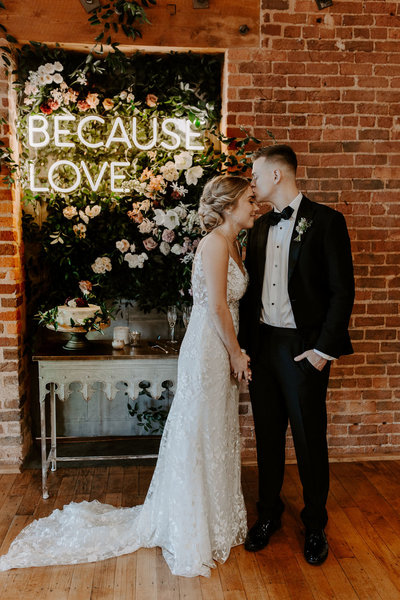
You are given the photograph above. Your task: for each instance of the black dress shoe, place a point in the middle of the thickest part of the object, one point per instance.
(315, 547)
(258, 536)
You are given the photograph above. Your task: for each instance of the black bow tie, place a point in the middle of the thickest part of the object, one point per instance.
(275, 217)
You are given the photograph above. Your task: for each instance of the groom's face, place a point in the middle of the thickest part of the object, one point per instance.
(264, 179)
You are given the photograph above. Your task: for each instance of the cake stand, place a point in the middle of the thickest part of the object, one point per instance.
(77, 339)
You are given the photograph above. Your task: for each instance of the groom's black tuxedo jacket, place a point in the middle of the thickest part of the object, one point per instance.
(320, 281)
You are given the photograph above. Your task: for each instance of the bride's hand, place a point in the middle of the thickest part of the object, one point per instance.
(240, 366)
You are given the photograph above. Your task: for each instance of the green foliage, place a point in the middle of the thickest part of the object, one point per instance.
(119, 15)
(151, 419)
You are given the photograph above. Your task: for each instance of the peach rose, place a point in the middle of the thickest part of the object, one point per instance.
(151, 100)
(108, 103)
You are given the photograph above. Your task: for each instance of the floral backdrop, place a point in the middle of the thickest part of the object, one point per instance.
(137, 244)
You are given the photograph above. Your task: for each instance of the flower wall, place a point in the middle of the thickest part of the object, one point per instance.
(116, 154)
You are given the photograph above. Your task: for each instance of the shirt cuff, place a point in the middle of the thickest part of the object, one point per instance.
(326, 356)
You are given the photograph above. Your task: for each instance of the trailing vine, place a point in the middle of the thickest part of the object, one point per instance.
(120, 14)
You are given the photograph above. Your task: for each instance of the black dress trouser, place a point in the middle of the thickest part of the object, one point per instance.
(283, 390)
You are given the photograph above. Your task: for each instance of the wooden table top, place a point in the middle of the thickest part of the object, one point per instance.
(103, 350)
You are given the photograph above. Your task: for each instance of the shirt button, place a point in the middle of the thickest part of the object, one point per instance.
(273, 303)
(277, 246)
(274, 284)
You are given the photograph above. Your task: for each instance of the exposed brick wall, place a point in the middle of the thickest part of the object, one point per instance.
(14, 416)
(328, 83)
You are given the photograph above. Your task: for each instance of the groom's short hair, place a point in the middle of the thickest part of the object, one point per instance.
(280, 152)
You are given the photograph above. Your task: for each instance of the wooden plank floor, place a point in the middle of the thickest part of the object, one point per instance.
(363, 532)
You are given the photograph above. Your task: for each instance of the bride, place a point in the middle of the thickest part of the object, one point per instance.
(194, 508)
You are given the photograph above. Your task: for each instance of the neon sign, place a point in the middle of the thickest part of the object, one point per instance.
(68, 131)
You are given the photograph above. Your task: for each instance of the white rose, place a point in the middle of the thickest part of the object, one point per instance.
(102, 264)
(130, 98)
(48, 68)
(133, 247)
(58, 66)
(122, 245)
(169, 171)
(71, 303)
(123, 95)
(171, 219)
(165, 248)
(47, 78)
(69, 212)
(93, 211)
(193, 174)
(57, 78)
(132, 260)
(183, 160)
(176, 249)
(84, 218)
(142, 257)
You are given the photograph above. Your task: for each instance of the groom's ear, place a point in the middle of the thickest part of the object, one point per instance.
(277, 175)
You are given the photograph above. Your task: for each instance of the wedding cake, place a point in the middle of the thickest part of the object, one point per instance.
(76, 310)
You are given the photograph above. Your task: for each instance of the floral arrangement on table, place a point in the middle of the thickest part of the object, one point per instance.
(137, 243)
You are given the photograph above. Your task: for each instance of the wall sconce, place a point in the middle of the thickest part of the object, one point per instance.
(323, 3)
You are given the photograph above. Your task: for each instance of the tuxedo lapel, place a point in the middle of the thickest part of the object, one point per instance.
(262, 238)
(306, 210)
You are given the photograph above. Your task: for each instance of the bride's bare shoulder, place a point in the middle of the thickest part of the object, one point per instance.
(214, 243)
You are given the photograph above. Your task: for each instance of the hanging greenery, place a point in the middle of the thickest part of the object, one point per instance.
(120, 14)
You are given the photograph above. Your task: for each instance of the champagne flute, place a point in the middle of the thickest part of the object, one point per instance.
(172, 315)
(187, 309)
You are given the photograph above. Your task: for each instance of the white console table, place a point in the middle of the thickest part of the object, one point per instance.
(99, 362)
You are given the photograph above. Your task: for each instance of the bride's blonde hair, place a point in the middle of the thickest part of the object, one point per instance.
(219, 194)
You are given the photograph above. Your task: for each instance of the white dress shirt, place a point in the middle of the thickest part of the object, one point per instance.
(276, 307)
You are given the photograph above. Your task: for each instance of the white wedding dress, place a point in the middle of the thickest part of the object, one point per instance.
(194, 509)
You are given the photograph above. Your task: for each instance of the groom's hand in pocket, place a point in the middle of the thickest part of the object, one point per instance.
(315, 359)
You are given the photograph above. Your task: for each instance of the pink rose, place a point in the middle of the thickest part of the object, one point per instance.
(85, 286)
(83, 105)
(151, 100)
(168, 236)
(45, 108)
(53, 104)
(92, 100)
(149, 244)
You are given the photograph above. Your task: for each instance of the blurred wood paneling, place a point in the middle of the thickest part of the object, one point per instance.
(174, 24)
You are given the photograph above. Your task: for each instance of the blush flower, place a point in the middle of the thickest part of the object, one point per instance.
(108, 103)
(85, 286)
(149, 243)
(92, 100)
(151, 100)
(168, 236)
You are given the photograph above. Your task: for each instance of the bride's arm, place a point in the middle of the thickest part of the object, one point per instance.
(215, 257)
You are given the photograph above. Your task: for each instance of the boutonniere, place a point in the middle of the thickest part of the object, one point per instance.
(301, 228)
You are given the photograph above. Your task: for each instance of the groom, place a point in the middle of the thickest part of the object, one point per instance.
(293, 323)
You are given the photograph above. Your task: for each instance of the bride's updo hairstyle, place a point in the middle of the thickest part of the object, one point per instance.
(220, 194)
